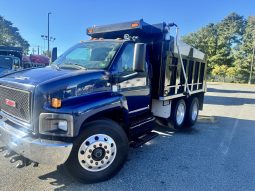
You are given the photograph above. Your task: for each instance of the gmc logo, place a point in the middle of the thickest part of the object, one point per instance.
(10, 103)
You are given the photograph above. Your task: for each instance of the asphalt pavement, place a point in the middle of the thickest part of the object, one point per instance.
(218, 153)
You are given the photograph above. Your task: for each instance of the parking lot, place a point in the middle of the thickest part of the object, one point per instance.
(218, 153)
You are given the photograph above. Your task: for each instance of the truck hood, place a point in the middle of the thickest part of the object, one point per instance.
(4, 71)
(42, 75)
(71, 86)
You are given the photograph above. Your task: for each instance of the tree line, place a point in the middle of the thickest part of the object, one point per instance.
(228, 45)
(10, 36)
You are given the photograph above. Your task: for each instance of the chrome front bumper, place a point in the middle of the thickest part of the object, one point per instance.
(37, 150)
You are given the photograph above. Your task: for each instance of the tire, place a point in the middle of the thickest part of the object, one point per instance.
(192, 112)
(178, 114)
(99, 152)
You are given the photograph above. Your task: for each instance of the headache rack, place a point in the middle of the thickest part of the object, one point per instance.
(133, 28)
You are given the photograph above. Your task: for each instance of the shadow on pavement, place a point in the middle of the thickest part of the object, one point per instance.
(161, 129)
(59, 178)
(229, 91)
(230, 101)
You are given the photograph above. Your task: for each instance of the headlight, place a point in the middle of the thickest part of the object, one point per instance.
(63, 125)
(56, 124)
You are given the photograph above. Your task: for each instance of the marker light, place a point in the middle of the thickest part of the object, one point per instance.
(90, 31)
(134, 25)
(55, 103)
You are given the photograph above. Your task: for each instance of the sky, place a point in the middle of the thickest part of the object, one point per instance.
(70, 19)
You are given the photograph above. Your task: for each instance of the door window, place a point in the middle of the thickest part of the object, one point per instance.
(125, 62)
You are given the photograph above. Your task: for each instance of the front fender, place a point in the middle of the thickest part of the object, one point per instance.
(86, 106)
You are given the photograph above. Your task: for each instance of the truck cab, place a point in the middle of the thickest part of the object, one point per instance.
(100, 97)
(115, 57)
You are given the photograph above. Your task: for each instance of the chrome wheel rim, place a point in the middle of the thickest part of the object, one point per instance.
(194, 111)
(180, 113)
(97, 152)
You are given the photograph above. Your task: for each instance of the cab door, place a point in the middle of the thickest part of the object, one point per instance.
(133, 85)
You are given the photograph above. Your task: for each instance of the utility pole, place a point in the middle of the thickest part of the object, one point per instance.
(49, 33)
(38, 49)
(46, 38)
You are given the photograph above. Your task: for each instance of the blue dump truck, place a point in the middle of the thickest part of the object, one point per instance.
(100, 97)
(10, 59)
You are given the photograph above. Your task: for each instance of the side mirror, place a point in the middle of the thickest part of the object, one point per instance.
(54, 54)
(139, 57)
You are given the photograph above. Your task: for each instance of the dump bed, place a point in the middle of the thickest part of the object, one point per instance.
(168, 79)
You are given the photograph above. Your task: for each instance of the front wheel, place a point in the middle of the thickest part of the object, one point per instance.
(99, 152)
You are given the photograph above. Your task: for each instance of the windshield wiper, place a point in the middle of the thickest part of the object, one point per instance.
(71, 65)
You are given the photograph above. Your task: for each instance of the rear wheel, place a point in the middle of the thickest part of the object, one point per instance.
(176, 120)
(192, 112)
(99, 152)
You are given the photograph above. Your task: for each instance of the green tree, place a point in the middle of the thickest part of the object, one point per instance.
(243, 56)
(232, 72)
(204, 40)
(229, 38)
(220, 70)
(220, 41)
(10, 36)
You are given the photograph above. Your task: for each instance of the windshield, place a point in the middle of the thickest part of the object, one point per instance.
(6, 62)
(89, 55)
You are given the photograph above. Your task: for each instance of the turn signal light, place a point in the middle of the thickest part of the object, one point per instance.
(133, 25)
(56, 103)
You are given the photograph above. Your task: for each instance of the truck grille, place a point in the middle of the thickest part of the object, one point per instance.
(15, 102)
